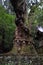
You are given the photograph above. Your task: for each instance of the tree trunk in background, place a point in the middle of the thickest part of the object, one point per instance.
(22, 41)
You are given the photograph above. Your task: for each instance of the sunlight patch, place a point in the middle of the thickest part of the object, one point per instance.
(40, 29)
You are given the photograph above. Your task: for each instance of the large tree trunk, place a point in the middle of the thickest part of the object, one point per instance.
(20, 10)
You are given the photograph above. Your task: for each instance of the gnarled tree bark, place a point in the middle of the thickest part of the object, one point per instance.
(20, 10)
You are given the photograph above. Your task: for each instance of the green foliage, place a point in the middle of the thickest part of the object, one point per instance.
(7, 23)
(37, 19)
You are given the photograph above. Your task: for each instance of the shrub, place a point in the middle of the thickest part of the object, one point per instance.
(8, 26)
